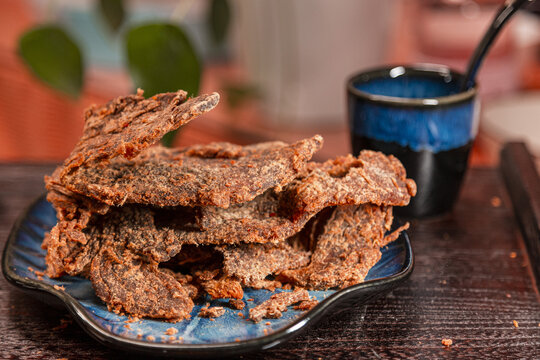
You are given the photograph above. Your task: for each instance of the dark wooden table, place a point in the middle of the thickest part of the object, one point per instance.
(471, 281)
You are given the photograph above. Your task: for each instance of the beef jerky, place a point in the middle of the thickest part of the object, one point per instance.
(306, 305)
(77, 261)
(160, 234)
(124, 126)
(271, 285)
(61, 243)
(69, 250)
(206, 274)
(149, 235)
(194, 254)
(347, 248)
(128, 124)
(372, 177)
(212, 312)
(186, 281)
(71, 244)
(266, 219)
(272, 217)
(277, 304)
(252, 263)
(236, 304)
(223, 288)
(128, 284)
(216, 174)
(69, 205)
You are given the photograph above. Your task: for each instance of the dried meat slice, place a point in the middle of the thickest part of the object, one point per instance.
(372, 177)
(272, 217)
(69, 250)
(71, 245)
(129, 124)
(211, 312)
(186, 281)
(236, 304)
(62, 242)
(307, 305)
(266, 219)
(216, 174)
(155, 237)
(128, 284)
(347, 248)
(223, 288)
(159, 234)
(252, 263)
(69, 205)
(277, 304)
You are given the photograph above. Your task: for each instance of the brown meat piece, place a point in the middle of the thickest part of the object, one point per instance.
(125, 283)
(69, 250)
(124, 126)
(347, 248)
(216, 174)
(223, 288)
(186, 281)
(212, 312)
(272, 217)
(136, 227)
(195, 255)
(372, 177)
(306, 305)
(271, 285)
(61, 243)
(266, 219)
(160, 234)
(72, 244)
(236, 304)
(69, 205)
(128, 124)
(124, 280)
(143, 231)
(252, 263)
(273, 307)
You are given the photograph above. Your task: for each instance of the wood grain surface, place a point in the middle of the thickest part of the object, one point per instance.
(471, 281)
(523, 185)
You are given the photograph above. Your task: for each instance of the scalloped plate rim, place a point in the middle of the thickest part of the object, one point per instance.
(199, 350)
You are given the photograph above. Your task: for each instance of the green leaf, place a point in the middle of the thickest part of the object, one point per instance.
(113, 12)
(168, 139)
(161, 59)
(237, 94)
(54, 58)
(219, 17)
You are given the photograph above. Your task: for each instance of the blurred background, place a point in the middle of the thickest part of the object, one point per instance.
(280, 65)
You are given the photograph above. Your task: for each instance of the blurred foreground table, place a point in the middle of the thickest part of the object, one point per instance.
(472, 283)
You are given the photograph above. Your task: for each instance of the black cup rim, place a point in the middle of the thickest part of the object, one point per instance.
(416, 69)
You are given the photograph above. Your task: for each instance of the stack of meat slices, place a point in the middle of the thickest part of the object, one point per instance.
(155, 229)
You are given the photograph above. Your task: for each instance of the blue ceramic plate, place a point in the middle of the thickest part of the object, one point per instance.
(228, 335)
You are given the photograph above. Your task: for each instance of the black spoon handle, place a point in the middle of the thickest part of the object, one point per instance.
(505, 12)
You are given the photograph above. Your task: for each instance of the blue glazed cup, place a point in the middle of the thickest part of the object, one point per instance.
(418, 114)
